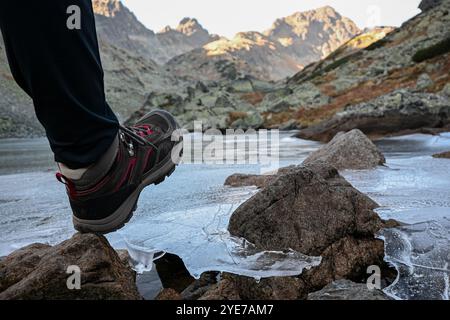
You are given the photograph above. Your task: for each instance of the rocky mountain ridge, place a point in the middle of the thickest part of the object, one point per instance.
(241, 101)
(117, 25)
(289, 45)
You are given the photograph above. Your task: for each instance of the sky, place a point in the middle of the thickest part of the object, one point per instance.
(227, 17)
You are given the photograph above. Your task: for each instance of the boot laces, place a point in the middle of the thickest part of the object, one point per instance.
(131, 135)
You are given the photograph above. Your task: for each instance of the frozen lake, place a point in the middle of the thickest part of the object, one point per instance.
(190, 216)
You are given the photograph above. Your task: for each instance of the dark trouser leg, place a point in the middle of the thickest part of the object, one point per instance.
(60, 69)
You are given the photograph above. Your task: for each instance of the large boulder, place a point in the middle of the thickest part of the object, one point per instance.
(401, 111)
(40, 271)
(307, 209)
(315, 211)
(347, 290)
(351, 150)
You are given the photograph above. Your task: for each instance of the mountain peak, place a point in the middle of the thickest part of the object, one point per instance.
(328, 9)
(189, 26)
(323, 13)
(426, 5)
(107, 8)
(188, 20)
(301, 23)
(166, 29)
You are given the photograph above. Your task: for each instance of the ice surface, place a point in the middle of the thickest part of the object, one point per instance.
(421, 254)
(188, 214)
(200, 237)
(33, 208)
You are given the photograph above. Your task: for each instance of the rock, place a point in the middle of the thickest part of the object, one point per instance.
(313, 210)
(223, 101)
(199, 287)
(426, 5)
(168, 294)
(347, 258)
(289, 125)
(444, 155)
(167, 101)
(287, 100)
(200, 86)
(239, 180)
(347, 290)
(247, 180)
(234, 287)
(224, 290)
(446, 90)
(391, 223)
(173, 273)
(307, 209)
(243, 85)
(252, 120)
(351, 150)
(38, 271)
(190, 93)
(396, 112)
(281, 106)
(124, 256)
(424, 81)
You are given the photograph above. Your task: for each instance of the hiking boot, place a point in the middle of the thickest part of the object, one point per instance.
(145, 154)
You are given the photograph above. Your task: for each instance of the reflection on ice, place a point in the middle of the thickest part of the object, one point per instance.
(200, 238)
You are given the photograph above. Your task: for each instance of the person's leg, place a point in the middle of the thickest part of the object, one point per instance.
(61, 71)
(104, 166)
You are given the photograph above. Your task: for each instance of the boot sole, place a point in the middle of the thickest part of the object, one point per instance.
(123, 215)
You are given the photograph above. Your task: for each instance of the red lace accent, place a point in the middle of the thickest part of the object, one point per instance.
(69, 184)
(145, 130)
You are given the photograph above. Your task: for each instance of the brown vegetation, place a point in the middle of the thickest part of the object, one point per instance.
(273, 120)
(253, 98)
(363, 92)
(236, 115)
